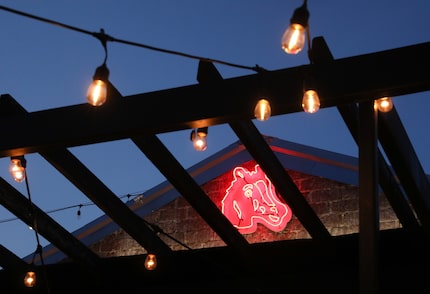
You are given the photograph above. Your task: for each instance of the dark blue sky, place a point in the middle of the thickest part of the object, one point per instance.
(45, 66)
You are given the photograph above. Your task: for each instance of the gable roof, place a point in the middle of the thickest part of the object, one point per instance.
(293, 156)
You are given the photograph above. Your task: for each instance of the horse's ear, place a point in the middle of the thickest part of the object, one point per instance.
(239, 172)
(257, 168)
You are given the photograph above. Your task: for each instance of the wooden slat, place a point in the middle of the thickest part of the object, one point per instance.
(390, 185)
(79, 175)
(361, 78)
(20, 206)
(387, 180)
(10, 261)
(167, 164)
(400, 152)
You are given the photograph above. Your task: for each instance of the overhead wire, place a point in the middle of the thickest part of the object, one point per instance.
(105, 38)
(80, 205)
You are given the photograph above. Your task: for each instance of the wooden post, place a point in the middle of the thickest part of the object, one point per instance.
(368, 200)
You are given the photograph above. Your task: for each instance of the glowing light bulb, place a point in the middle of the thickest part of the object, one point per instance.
(30, 279)
(17, 169)
(311, 101)
(200, 143)
(384, 104)
(198, 137)
(97, 91)
(150, 262)
(262, 110)
(293, 39)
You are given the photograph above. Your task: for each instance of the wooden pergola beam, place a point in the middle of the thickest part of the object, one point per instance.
(349, 80)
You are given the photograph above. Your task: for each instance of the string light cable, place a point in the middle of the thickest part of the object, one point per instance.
(104, 38)
(38, 250)
(136, 196)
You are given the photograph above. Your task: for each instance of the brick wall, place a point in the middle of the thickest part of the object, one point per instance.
(335, 203)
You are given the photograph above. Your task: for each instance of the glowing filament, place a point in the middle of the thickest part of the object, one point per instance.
(384, 104)
(311, 101)
(150, 262)
(30, 279)
(262, 110)
(17, 170)
(294, 38)
(97, 93)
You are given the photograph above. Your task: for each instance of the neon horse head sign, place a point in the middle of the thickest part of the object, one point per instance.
(251, 199)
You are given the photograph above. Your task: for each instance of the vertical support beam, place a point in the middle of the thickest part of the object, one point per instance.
(368, 200)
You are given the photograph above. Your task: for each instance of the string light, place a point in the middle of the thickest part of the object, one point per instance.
(109, 38)
(262, 110)
(384, 104)
(30, 279)
(293, 41)
(17, 168)
(207, 74)
(18, 171)
(70, 207)
(294, 37)
(150, 261)
(79, 211)
(97, 91)
(310, 100)
(198, 137)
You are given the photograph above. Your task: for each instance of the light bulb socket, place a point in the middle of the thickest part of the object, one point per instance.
(101, 73)
(22, 160)
(301, 15)
(309, 83)
(198, 137)
(201, 132)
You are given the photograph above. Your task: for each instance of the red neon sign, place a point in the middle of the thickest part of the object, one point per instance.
(251, 199)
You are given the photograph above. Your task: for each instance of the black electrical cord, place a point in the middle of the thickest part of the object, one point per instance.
(104, 38)
(38, 250)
